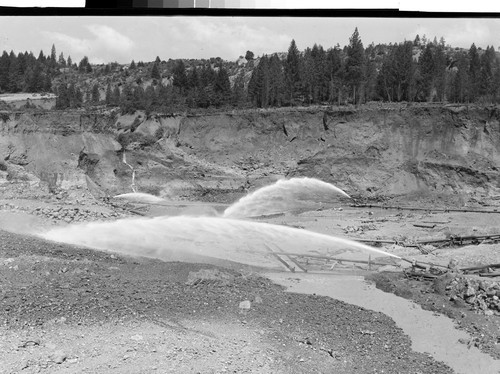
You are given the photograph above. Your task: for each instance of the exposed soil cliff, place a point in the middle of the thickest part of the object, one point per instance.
(450, 150)
(372, 151)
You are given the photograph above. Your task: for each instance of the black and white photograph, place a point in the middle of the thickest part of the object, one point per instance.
(209, 191)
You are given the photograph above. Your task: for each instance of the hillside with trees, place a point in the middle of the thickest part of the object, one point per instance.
(409, 71)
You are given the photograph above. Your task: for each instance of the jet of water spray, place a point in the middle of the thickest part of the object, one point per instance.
(139, 197)
(282, 196)
(181, 237)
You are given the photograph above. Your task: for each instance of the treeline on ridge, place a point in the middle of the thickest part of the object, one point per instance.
(414, 71)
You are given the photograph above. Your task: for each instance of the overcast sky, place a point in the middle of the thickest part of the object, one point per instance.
(121, 39)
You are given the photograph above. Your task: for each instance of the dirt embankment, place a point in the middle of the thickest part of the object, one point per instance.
(369, 151)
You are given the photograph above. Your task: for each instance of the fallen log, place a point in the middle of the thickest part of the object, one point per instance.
(490, 275)
(437, 222)
(444, 210)
(423, 225)
(461, 239)
(492, 266)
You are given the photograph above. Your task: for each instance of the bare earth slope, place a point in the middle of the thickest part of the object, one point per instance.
(369, 151)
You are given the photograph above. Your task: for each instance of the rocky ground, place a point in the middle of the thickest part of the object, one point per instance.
(75, 310)
(67, 309)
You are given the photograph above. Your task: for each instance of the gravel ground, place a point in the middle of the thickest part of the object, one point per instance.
(74, 310)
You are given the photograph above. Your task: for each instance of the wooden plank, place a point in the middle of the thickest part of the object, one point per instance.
(279, 258)
(331, 258)
(297, 264)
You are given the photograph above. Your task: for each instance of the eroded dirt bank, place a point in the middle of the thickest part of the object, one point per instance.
(372, 151)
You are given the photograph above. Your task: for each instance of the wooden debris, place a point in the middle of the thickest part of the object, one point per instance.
(477, 269)
(421, 275)
(445, 210)
(423, 225)
(369, 262)
(490, 275)
(453, 240)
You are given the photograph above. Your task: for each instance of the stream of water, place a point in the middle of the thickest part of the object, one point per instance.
(429, 332)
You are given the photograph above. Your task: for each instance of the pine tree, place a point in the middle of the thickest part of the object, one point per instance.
(115, 101)
(61, 60)
(460, 83)
(405, 71)
(238, 90)
(132, 65)
(222, 86)
(487, 61)
(96, 97)
(355, 66)
(82, 66)
(333, 69)
(193, 87)
(78, 98)
(308, 75)
(192, 78)
(292, 72)
(321, 74)
(427, 69)
(496, 81)
(474, 73)
(72, 95)
(440, 71)
(22, 58)
(4, 71)
(180, 77)
(149, 99)
(155, 72)
(53, 55)
(259, 87)
(62, 100)
(34, 78)
(47, 83)
(52, 60)
(127, 99)
(138, 100)
(14, 76)
(41, 57)
(386, 78)
(109, 95)
(69, 61)
(417, 42)
(277, 81)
